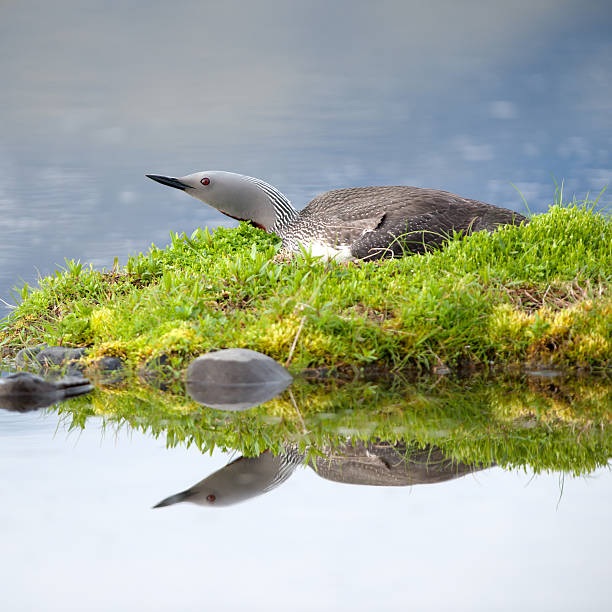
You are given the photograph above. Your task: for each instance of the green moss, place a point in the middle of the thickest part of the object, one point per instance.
(538, 293)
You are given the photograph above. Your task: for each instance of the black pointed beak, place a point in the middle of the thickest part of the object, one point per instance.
(168, 180)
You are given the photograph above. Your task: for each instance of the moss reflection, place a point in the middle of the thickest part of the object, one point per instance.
(536, 423)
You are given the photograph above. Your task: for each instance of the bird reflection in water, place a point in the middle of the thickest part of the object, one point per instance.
(376, 463)
(387, 464)
(239, 480)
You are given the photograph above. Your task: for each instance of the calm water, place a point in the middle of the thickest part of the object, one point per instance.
(77, 529)
(469, 97)
(77, 517)
(308, 96)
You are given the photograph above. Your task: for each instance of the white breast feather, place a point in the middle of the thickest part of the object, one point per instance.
(340, 253)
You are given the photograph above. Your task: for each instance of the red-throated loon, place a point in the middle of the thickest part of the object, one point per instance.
(346, 224)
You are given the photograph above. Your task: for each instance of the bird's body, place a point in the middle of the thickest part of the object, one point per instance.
(376, 222)
(347, 224)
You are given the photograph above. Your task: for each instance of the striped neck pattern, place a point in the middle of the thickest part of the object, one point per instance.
(285, 213)
(288, 461)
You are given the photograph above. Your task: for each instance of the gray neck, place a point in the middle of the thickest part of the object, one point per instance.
(284, 211)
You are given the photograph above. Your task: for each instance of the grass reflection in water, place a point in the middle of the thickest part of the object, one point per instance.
(536, 423)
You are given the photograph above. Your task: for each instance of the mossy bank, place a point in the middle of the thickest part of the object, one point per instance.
(535, 293)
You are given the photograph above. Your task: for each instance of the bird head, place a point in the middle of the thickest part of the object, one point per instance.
(238, 481)
(238, 196)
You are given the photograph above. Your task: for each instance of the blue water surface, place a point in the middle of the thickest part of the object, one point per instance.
(482, 99)
(78, 532)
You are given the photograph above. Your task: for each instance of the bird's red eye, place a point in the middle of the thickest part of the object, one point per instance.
(205, 181)
(211, 498)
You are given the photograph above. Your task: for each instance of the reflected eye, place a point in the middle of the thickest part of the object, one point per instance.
(211, 498)
(205, 181)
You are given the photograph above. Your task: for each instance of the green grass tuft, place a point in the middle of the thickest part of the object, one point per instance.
(536, 293)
